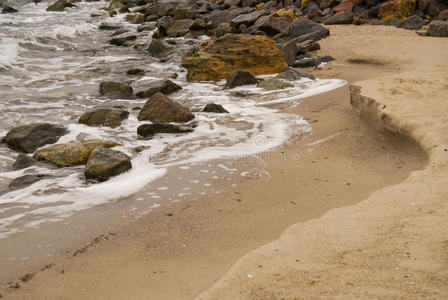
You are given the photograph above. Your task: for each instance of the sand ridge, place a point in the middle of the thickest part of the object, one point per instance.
(393, 244)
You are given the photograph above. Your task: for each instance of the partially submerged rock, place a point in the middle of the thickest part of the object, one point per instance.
(161, 109)
(136, 72)
(70, 154)
(27, 180)
(239, 78)
(9, 10)
(28, 138)
(125, 41)
(274, 84)
(156, 48)
(224, 55)
(115, 89)
(23, 161)
(110, 117)
(165, 87)
(104, 163)
(148, 130)
(59, 5)
(214, 108)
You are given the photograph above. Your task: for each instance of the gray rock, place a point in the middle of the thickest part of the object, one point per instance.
(304, 26)
(115, 89)
(149, 130)
(272, 25)
(23, 161)
(239, 78)
(110, 27)
(123, 41)
(161, 109)
(165, 87)
(289, 50)
(412, 23)
(215, 108)
(343, 18)
(248, 19)
(146, 27)
(104, 163)
(438, 29)
(156, 48)
(27, 180)
(28, 138)
(136, 72)
(179, 28)
(110, 117)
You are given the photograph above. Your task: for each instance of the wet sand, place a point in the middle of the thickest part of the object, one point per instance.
(180, 249)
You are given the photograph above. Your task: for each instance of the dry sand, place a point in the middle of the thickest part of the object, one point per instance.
(391, 244)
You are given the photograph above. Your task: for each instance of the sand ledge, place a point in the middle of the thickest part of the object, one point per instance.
(390, 245)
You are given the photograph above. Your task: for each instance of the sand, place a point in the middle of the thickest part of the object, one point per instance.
(359, 219)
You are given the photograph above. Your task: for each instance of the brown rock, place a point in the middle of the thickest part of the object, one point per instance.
(161, 109)
(399, 9)
(344, 6)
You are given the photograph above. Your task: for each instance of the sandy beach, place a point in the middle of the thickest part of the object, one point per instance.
(358, 198)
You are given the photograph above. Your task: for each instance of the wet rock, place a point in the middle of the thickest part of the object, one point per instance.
(165, 87)
(136, 72)
(148, 130)
(345, 17)
(272, 25)
(146, 27)
(399, 9)
(180, 28)
(28, 138)
(116, 6)
(110, 117)
(248, 19)
(215, 108)
(104, 163)
(9, 10)
(274, 84)
(438, 29)
(289, 75)
(110, 27)
(115, 89)
(119, 32)
(412, 23)
(239, 78)
(304, 26)
(135, 18)
(123, 41)
(59, 5)
(306, 63)
(224, 55)
(23, 161)
(161, 109)
(157, 48)
(70, 154)
(27, 180)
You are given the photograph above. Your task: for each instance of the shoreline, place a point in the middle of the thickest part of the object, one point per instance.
(194, 234)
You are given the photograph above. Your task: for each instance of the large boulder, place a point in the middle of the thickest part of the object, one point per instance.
(115, 89)
(110, 117)
(438, 29)
(148, 130)
(104, 163)
(224, 55)
(161, 109)
(70, 154)
(305, 26)
(274, 84)
(28, 138)
(27, 180)
(399, 9)
(165, 87)
(239, 78)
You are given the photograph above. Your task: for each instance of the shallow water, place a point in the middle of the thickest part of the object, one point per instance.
(51, 64)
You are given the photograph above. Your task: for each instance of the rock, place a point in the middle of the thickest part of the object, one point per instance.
(438, 29)
(224, 55)
(274, 84)
(136, 72)
(59, 5)
(135, 18)
(219, 17)
(156, 48)
(146, 27)
(28, 138)
(110, 27)
(289, 50)
(180, 28)
(198, 24)
(312, 11)
(412, 23)
(148, 130)
(123, 41)
(23, 161)
(443, 16)
(9, 10)
(165, 87)
(306, 63)
(116, 6)
(115, 89)
(239, 78)
(285, 13)
(273, 25)
(346, 5)
(27, 180)
(214, 108)
(325, 59)
(161, 109)
(231, 3)
(248, 19)
(110, 117)
(70, 154)
(104, 163)
(289, 75)
(183, 13)
(399, 9)
(435, 7)
(223, 29)
(345, 17)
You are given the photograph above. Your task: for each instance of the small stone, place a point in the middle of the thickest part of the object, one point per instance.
(165, 87)
(214, 108)
(115, 89)
(148, 130)
(239, 78)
